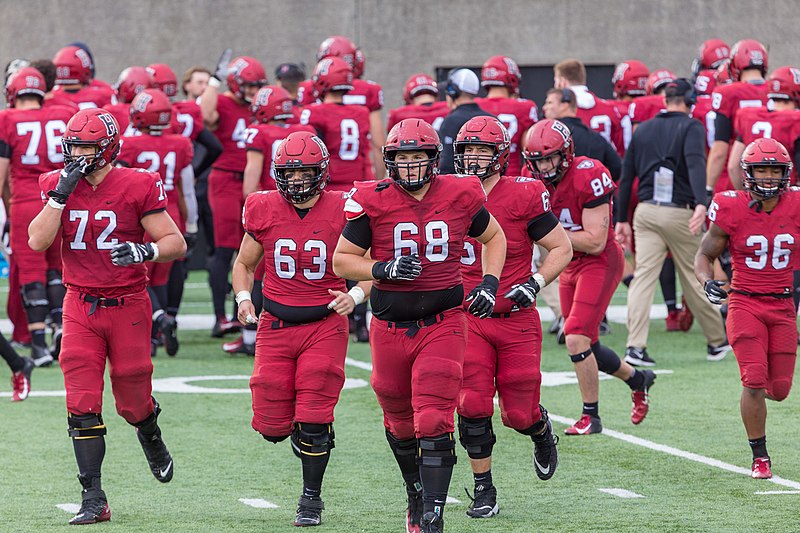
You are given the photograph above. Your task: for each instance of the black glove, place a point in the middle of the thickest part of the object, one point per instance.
(68, 180)
(524, 294)
(406, 267)
(191, 242)
(223, 63)
(483, 297)
(714, 291)
(709, 196)
(128, 253)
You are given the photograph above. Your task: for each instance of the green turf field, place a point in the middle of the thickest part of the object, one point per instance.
(219, 459)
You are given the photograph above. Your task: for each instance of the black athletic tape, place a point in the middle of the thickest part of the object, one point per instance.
(578, 357)
(437, 451)
(90, 425)
(476, 436)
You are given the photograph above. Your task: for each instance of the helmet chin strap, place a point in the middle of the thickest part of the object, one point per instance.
(756, 203)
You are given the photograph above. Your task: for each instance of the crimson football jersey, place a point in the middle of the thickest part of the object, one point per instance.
(432, 113)
(514, 202)
(727, 100)
(517, 115)
(345, 131)
(266, 138)
(298, 252)
(88, 97)
(187, 119)
(58, 99)
(623, 108)
(121, 112)
(646, 107)
(98, 218)
(601, 116)
(231, 131)
(31, 140)
(763, 245)
(434, 227)
(365, 93)
(705, 114)
(757, 122)
(586, 184)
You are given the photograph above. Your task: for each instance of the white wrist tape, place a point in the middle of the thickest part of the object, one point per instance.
(55, 205)
(243, 296)
(155, 251)
(357, 293)
(540, 280)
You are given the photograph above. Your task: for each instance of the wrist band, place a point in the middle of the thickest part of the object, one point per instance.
(243, 296)
(538, 278)
(357, 293)
(56, 205)
(155, 251)
(214, 82)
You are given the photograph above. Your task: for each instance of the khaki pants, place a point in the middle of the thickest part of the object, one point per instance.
(658, 230)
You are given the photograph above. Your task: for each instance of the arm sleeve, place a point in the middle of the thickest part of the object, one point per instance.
(626, 183)
(187, 184)
(695, 156)
(542, 225)
(479, 223)
(213, 148)
(358, 231)
(5, 150)
(723, 129)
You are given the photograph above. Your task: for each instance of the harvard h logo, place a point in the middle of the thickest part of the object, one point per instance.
(108, 120)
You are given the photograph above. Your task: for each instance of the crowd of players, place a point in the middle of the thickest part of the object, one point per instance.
(405, 242)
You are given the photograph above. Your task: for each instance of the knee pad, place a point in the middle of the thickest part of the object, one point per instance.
(607, 360)
(438, 451)
(53, 278)
(476, 436)
(34, 297)
(87, 426)
(312, 440)
(779, 389)
(578, 357)
(401, 447)
(275, 440)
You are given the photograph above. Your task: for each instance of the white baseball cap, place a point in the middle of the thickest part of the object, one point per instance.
(466, 81)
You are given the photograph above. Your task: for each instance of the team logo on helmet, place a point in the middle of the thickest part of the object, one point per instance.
(322, 147)
(262, 98)
(561, 129)
(323, 66)
(108, 120)
(141, 101)
(512, 67)
(237, 66)
(86, 61)
(31, 82)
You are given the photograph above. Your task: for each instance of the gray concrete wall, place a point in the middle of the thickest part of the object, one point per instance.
(399, 37)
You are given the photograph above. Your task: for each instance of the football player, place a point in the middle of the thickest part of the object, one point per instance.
(652, 104)
(74, 76)
(500, 76)
(581, 195)
(131, 82)
(170, 155)
(103, 213)
(504, 351)
(30, 138)
(415, 223)
(344, 129)
(228, 115)
(51, 97)
(288, 76)
(420, 94)
(759, 225)
(711, 54)
(302, 332)
(630, 83)
(747, 68)
(600, 115)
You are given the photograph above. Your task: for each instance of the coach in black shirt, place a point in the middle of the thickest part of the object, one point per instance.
(561, 105)
(461, 89)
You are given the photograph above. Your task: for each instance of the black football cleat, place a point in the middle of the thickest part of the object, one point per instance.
(169, 330)
(223, 326)
(41, 356)
(94, 505)
(309, 512)
(55, 349)
(545, 450)
(414, 510)
(484, 503)
(156, 453)
(431, 523)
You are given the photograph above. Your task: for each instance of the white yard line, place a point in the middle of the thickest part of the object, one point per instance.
(71, 508)
(258, 503)
(621, 493)
(777, 492)
(450, 499)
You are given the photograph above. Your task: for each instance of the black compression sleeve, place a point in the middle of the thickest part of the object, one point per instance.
(358, 232)
(479, 223)
(5, 150)
(542, 225)
(213, 148)
(723, 129)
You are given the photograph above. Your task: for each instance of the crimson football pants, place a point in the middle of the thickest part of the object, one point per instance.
(120, 334)
(226, 201)
(417, 379)
(763, 333)
(503, 355)
(585, 289)
(32, 266)
(15, 309)
(298, 373)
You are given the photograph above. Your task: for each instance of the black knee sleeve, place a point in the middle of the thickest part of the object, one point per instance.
(85, 426)
(401, 447)
(607, 360)
(34, 297)
(275, 440)
(437, 451)
(476, 436)
(578, 357)
(313, 440)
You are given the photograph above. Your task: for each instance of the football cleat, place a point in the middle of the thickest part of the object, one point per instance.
(555, 325)
(605, 328)
(638, 357)
(431, 523)
(484, 503)
(309, 512)
(414, 511)
(673, 320)
(362, 334)
(41, 356)
(762, 468)
(169, 331)
(718, 353)
(223, 326)
(585, 426)
(641, 397)
(158, 457)
(21, 381)
(153, 347)
(239, 346)
(545, 452)
(94, 505)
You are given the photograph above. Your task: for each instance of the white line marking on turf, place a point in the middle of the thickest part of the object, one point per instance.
(358, 364)
(621, 493)
(258, 503)
(72, 508)
(777, 492)
(450, 499)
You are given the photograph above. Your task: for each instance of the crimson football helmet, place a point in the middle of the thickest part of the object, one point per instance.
(711, 53)
(630, 79)
(26, 80)
(705, 81)
(301, 149)
(164, 78)
(131, 82)
(766, 152)
(73, 66)
(152, 109)
(545, 139)
(271, 103)
(501, 71)
(723, 73)
(338, 46)
(486, 131)
(92, 127)
(784, 83)
(419, 84)
(412, 135)
(746, 54)
(359, 63)
(658, 80)
(331, 74)
(245, 71)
